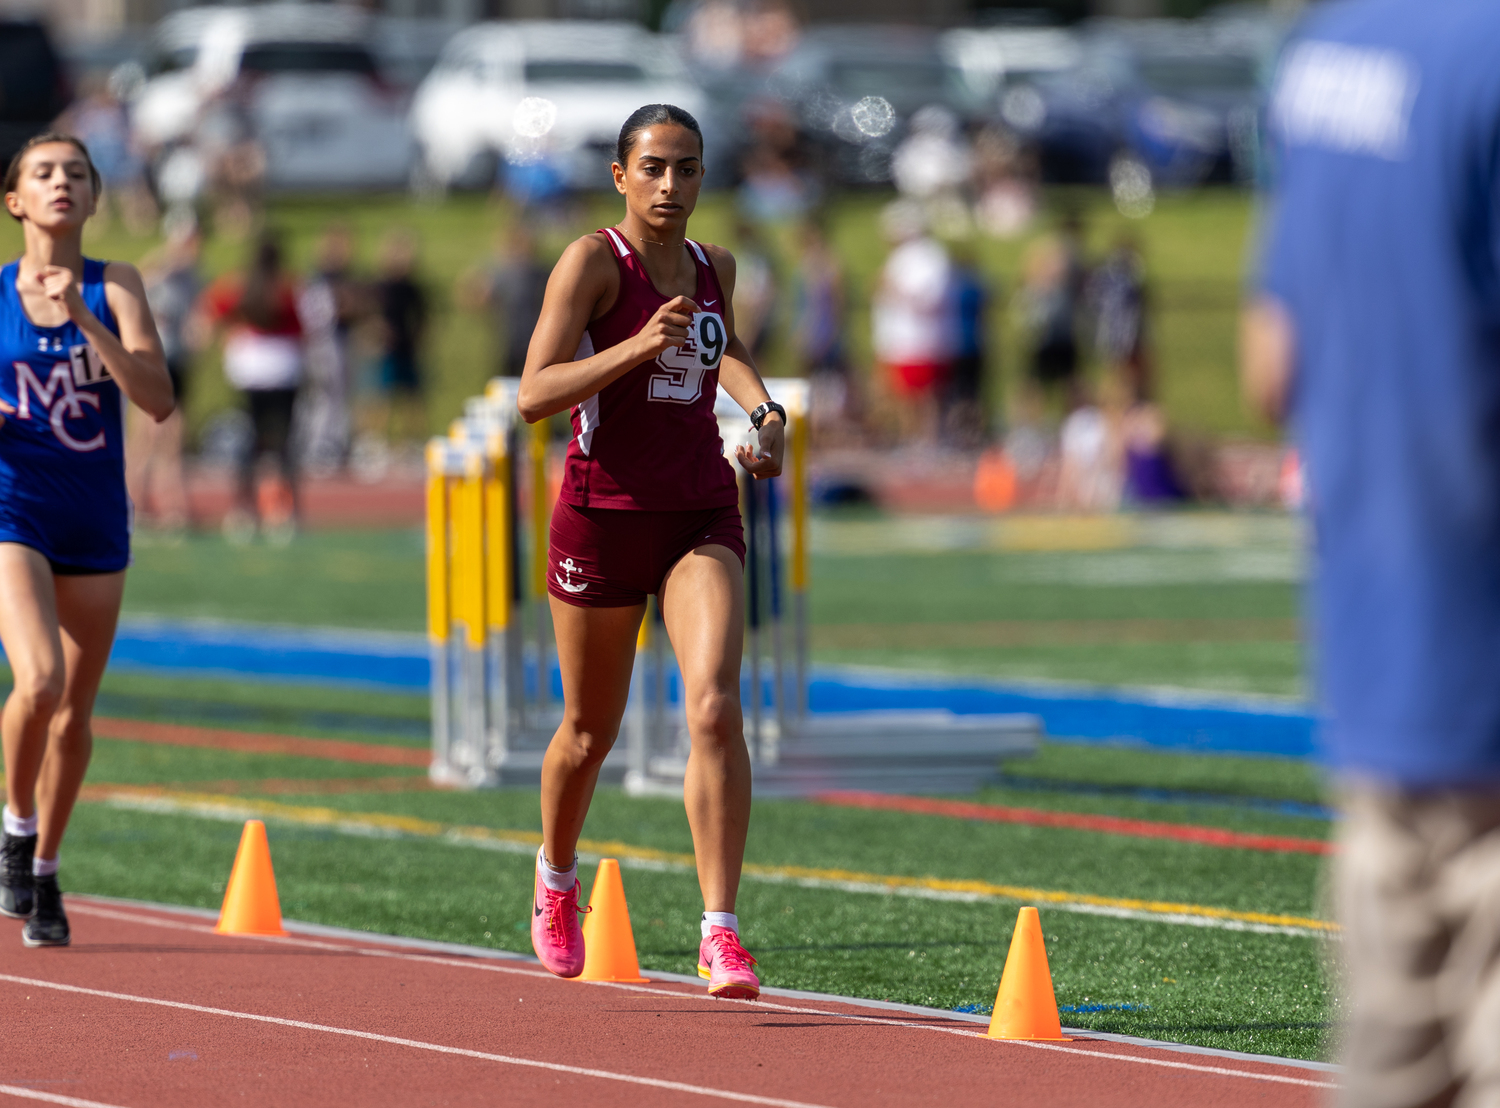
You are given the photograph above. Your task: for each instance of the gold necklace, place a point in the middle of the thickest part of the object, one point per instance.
(649, 242)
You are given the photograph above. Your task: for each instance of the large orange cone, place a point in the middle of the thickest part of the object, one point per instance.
(608, 941)
(251, 906)
(1025, 1007)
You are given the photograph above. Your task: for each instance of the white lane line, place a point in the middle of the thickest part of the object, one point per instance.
(52, 1098)
(885, 1021)
(1221, 1070)
(415, 1044)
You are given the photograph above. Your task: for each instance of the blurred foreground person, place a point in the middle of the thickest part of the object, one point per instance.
(153, 450)
(1377, 330)
(263, 359)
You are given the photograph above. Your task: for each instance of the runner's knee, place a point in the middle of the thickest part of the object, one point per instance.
(39, 692)
(589, 742)
(714, 716)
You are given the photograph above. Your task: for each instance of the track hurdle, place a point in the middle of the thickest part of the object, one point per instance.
(492, 652)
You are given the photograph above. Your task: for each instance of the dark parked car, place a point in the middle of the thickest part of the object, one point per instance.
(1174, 98)
(854, 88)
(34, 86)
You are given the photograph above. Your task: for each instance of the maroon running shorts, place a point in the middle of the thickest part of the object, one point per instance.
(615, 557)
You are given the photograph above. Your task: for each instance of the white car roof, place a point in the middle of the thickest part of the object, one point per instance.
(266, 23)
(554, 38)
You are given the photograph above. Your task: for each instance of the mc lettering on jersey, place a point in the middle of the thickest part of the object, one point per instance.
(685, 365)
(61, 401)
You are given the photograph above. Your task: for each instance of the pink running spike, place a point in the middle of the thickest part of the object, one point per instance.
(555, 934)
(727, 964)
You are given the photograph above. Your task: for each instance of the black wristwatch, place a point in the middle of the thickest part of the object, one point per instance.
(758, 416)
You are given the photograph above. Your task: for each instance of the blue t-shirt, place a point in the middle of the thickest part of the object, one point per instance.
(1383, 241)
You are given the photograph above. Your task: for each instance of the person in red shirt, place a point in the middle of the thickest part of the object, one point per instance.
(263, 358)
(635, 337)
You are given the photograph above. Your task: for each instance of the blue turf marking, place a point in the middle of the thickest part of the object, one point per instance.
(1076, 1009)
(399, 662)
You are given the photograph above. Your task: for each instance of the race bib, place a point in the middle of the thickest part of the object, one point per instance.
(88, 367)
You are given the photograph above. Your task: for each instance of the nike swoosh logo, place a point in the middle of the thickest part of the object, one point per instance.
(709, 303)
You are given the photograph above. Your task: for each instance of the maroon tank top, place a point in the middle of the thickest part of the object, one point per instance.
(649, 440)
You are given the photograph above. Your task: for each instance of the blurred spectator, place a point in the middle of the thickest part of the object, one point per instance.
(1091, 444)
(263, 359)
(778, 182)
(153, 451)
(402, 306)
(329, 305)
(233, 164)
(754, 288)
(817, 336)
(932, 165)
(1117, 292)
(1005, 181)
(1054, 276)
(963, 411)
(511, 290)
(728, 34)
(1150, 473)
(913, 320)
(101, 121)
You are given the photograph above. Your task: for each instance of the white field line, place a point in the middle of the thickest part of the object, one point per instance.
(52, 1098)
(236, 810)
(762, 1004)
(417, 1044)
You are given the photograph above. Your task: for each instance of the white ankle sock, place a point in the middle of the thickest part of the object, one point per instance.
(720, 919)
(558, 880)
(43, 867)
(15, 825)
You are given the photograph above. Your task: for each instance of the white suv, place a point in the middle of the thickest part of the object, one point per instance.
(545, 90)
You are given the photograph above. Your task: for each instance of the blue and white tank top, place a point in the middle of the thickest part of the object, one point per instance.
(62, 449)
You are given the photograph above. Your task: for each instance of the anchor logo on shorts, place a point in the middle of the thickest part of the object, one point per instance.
(569, 568)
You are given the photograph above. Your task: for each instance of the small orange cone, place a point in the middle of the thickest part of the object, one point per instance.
(251, 906)
(608, 941)
(1025, 1007)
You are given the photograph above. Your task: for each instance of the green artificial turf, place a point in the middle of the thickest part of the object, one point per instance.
(1228, 626)
(117, 762)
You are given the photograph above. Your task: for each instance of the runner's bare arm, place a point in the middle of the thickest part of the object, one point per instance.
(741, 380)
(134, 359)
(1267, 354)
(583, 286)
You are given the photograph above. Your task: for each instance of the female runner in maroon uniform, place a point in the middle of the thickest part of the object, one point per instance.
(636, 334)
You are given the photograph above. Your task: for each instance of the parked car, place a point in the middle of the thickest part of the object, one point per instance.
(1179, 100)
(542, 93)
(994, 59)
(34, 87)
(854, 88)
(302, 77)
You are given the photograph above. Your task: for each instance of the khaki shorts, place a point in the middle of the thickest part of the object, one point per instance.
(1417, 884)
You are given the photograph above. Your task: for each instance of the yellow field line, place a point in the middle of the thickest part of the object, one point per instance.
(217, 806)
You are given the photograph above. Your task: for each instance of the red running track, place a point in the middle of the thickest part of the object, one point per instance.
(149, 1008)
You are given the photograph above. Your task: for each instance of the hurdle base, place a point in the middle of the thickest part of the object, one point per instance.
(887, 751)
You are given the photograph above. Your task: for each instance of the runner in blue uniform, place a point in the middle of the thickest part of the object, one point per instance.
(74, 335)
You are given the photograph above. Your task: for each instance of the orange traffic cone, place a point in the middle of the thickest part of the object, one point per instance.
(1025, 1007)
(608, 941)
(251, 906)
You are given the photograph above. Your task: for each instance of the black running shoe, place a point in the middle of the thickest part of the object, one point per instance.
(16, 883)
(49, 926)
